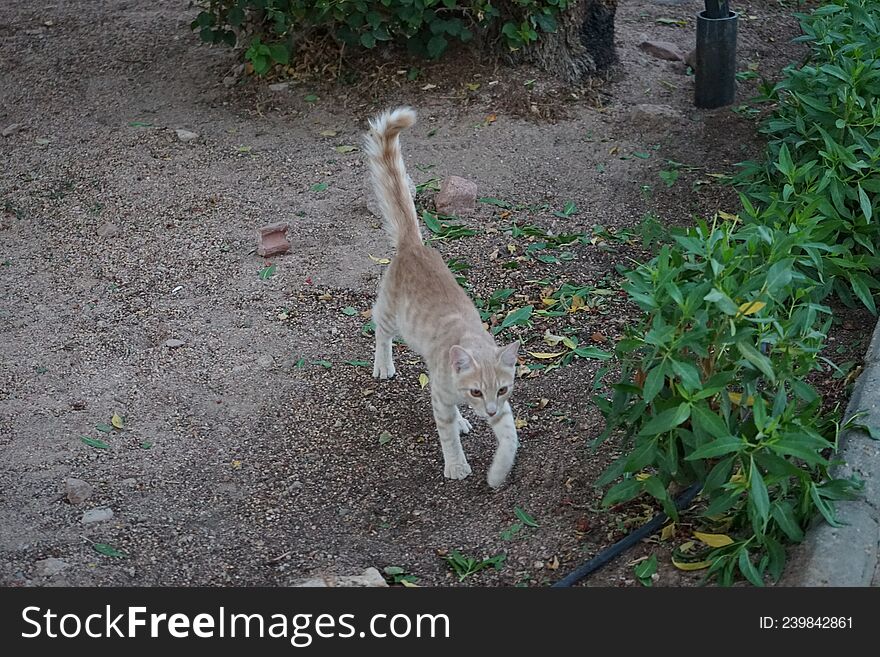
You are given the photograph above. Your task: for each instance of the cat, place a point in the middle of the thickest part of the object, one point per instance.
(419, 300)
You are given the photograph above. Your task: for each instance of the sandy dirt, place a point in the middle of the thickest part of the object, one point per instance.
(243, 458)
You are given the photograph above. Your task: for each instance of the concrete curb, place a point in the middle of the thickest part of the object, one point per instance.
(849, 555)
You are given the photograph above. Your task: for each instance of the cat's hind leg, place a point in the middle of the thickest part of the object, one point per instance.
(383, 319)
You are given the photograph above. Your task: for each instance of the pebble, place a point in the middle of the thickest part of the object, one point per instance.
(173, 343)
(97, 515)
(10, 130)
(266, 361)
(49, 567)
(279, 86)
(108, 230)
(77, 490)
(186, 135)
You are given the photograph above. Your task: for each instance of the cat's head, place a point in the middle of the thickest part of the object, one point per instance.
(484, 377)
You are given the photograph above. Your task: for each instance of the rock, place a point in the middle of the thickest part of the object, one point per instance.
(662, 50)
(186, 135)
(457, 197)
(49, 567)
(272, 240)
(691, 59)
(108, 230)
(96, 515)
(373, 205)
(173, 343)
(266, 361)
(370, 578)
(279, 86)
(229, 81)
(77, 490)
(78, 404)
(10, 130)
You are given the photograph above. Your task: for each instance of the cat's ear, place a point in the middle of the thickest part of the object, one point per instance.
(507, 355)
(460, 359)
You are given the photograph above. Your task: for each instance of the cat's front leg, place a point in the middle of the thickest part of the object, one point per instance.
(505, 453)
(446, 415)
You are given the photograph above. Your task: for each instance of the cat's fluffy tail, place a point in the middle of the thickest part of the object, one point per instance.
(388, 175)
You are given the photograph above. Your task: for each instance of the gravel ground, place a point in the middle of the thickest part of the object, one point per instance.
(243, 460)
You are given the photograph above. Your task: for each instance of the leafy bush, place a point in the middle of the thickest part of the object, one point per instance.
(824, 151)
(714, 386)
(426, 26)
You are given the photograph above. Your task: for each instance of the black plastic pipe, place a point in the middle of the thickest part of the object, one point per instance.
(715, 84)
(624, 544)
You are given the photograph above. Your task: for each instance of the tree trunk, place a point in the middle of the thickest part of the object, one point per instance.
(583, 44)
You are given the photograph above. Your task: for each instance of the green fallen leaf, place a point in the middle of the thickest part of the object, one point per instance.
(348, 310)
(319, 187)
(93, 442)
(385, 438)
(107, 550)
(525, 517)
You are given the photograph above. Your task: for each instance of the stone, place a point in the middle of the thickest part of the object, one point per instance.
(100, 514)
(457, 197)
(49, 567)
(77, 490)
(108, 230)
(279, 86)
(186, 135)
(11, 129)
(373, 205)
(173, 343)
(229, 81)
(272, 240)
(266, 361)
(662, 50)
(370, 578)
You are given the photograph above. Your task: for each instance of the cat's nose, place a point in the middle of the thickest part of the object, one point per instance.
(491, 413)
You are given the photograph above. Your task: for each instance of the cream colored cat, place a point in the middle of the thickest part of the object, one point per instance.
(420, 301)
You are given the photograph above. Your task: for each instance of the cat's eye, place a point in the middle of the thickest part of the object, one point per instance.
(476, 393)
(502, 391)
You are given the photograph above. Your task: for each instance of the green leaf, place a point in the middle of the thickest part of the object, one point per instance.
(525, 517)
(654, 382)
(747, 568)
(94, 442)
(645, 569)
(350, 311)
(865, 204)
(863, 292)
(719, 447)
(431, 222)
(104, 427)
(667, 420)
(517, 317)
(323, 363)
(267, 272)
(436, 46)
(757, 359)
(783, 514)
(705, 419)
(759, 496)
(319, 187)
(358, 363)
(385, 438)
(622, 492)
(311, 98)
(669, 177)
(593, 352)
(107, 550)
(279, 52)
(368, 40)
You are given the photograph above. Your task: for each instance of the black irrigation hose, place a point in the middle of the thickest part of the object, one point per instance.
(624, 544)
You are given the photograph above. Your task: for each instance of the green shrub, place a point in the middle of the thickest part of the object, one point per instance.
(715, 378)
(824, 149)
(426, 26)
(713, 390)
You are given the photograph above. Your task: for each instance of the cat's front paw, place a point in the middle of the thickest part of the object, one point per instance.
(463, 425)
(496, 480)
(383, 370)
(457, 470)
